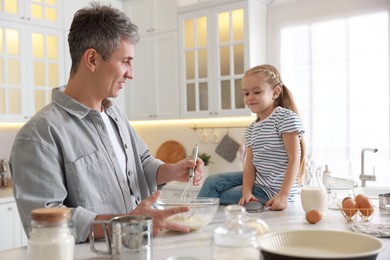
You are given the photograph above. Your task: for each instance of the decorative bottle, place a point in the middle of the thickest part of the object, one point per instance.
(326, 175)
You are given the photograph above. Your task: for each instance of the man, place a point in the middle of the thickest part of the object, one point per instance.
(80, 151)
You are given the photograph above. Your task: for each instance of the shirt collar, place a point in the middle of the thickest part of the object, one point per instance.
(71, 105)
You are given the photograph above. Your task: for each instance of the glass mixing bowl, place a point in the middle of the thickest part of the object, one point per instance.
(202, 211)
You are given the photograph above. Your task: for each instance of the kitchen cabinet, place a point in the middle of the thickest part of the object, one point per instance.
(10, 227)
(31, 57)
(154, 91)
(218, 42)
(35, 12)
(153, 16)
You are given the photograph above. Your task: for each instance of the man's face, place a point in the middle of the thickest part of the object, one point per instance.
(114, 72)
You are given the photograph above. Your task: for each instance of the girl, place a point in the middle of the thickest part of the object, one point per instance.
(274, 146)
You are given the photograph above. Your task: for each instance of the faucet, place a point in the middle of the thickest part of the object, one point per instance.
(366, 177)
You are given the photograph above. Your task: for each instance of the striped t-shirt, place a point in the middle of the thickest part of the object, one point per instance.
(269, 154)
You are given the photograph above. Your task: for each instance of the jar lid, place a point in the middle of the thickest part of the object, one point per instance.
(50, 214)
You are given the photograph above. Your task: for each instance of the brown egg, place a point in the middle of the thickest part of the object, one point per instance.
(313, 216)
(346, 198)
(349, 207)
(359, 197)
(365, 207)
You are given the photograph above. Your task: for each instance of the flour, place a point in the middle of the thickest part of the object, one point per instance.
(55, 243)
(194, 222)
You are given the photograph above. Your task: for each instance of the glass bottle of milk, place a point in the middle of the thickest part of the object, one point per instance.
(313, 193)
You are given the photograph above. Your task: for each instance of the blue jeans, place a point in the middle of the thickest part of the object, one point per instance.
(228, 188)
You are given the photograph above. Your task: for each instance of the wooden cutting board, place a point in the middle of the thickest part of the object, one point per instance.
(171, 152)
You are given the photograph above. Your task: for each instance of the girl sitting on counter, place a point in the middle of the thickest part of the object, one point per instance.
(274, 146)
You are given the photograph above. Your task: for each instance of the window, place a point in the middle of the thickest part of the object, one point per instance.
(338, 72)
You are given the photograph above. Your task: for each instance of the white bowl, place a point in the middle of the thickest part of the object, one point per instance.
(202, 211)
(319, 244)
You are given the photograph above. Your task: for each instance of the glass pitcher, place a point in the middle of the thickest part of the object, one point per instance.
(313, 194)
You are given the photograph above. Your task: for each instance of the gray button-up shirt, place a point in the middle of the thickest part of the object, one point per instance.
(63, 157)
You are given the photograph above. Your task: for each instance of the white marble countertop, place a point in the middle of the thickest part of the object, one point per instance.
(199, 244)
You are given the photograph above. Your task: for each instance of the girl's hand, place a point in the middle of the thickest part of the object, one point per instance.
(246, 198)
(159, 216)
(277, 203)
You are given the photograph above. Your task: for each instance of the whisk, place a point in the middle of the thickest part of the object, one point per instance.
(189, 188)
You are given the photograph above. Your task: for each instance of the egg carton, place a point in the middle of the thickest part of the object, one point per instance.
(366, 214)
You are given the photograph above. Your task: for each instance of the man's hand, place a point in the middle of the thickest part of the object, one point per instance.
(180, 171)
(159, 216)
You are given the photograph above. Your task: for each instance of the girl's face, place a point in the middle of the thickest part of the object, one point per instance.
(259, 96)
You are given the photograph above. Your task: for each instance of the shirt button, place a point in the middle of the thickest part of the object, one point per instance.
(125, 146)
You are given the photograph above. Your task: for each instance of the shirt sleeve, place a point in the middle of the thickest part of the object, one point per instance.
(287, 122)
(248, 136)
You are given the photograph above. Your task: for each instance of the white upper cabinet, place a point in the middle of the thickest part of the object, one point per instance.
(153, 16)
(46, 13)
(31, 57)
(154, 92)
(218, 43)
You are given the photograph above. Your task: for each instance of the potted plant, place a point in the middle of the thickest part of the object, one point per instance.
(205, 158)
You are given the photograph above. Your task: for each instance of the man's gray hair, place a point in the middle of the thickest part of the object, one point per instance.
(100, 27)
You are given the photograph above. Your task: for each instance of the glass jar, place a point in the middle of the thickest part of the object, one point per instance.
(51, 235)
(258, 224)
(313, 194)
(235, 239)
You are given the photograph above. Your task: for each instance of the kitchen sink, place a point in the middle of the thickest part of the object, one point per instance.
(372, 192)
